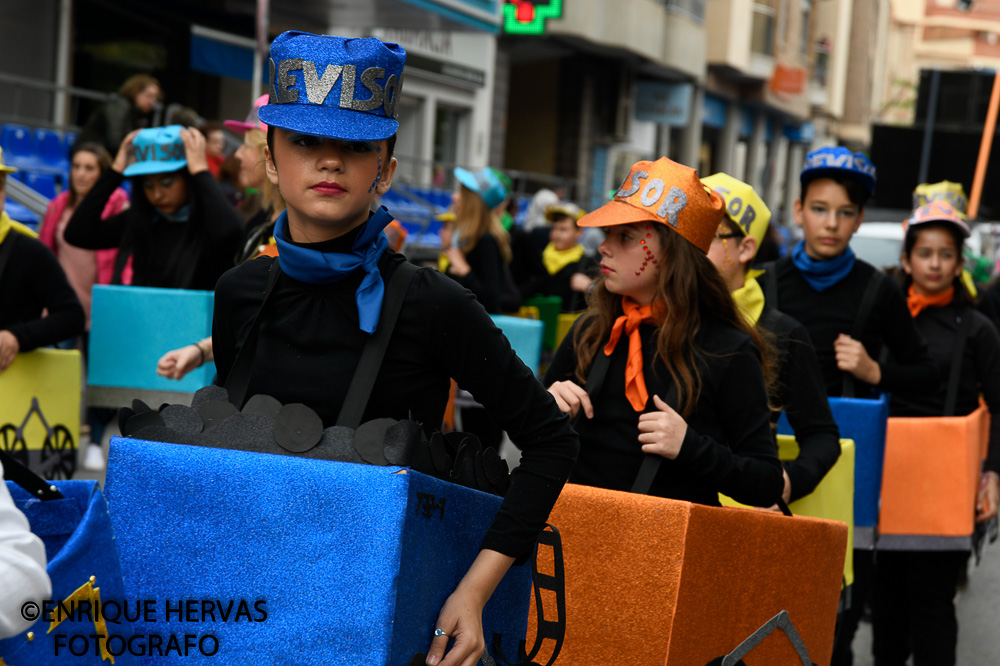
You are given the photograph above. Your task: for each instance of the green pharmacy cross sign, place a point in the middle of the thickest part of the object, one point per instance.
(527, 17)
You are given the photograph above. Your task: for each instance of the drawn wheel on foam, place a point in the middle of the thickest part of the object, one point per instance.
(12, 444)
(60, 443)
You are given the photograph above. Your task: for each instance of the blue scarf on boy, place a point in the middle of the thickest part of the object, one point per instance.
(821, 275)
(316, 267)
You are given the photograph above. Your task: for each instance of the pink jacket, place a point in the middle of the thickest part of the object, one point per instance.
(105, 258)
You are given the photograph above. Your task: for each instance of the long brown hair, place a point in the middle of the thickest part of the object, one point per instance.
(476, 221)
(103, 162)
(690, 286)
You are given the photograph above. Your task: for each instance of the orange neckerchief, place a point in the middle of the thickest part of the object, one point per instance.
(918, 302)
(635, 383)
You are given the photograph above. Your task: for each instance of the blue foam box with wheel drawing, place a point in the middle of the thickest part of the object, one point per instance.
(864, 421)
(132, 327)
(351, 563)
(525, 337)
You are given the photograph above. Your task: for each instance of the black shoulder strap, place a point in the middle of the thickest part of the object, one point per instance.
(651, 462)
(849, 389)
(958, 349)
(353, 409)
(24, 477)
(6, 249)
(770, 284)
(239, 375)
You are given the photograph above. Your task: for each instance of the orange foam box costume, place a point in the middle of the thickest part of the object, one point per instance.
(657, 581)
(929, 481)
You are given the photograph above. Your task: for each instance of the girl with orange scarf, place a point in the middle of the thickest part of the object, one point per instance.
(914, 611)
(683, 373)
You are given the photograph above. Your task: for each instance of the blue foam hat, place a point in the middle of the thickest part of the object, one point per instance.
(485, 183)
(157, 150)
(836, 160)
(334, 86)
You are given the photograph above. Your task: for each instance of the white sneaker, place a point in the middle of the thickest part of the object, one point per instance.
(94, 460)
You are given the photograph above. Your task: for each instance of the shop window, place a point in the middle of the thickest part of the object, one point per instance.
(762, 30)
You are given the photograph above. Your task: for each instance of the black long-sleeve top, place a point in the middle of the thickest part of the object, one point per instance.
(176, 255)
(827, 314)
(488, 276)
(558, 284)
(310, 343)
(33, 282)
(728, 446)
(980, 371)
(800, 393)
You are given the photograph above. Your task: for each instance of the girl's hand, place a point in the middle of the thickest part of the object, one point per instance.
(9, 346)
(194, 150)
(124, 156)
(580, 282)
(662, 432)
(570, 396)
(462, 619)
(459, 266)
(989, 497)
(177, 363)
(852, 357)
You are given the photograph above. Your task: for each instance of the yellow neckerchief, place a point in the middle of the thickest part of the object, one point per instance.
(750, 298)
(556, 260)
(7, 225)
(443, 262)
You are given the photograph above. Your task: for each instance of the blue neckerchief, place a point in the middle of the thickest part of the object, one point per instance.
(316, 267)
(182, 214)
(821, 275)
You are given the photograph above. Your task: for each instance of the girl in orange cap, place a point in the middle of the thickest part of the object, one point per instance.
(683, 395)
(914, 610)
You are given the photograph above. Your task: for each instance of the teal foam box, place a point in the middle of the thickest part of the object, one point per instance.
(316, 562)
(525, 337)
(132, 327)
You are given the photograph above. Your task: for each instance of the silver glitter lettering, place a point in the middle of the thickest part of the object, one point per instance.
(636, 177)
(651, 193)
(392, 87)
(749, 215)
(735, 206)
(317, 88)
(368, 81)
(674, 203)
(285, 80)
(347, 87)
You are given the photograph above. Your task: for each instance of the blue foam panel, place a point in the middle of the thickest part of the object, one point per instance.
(79, 543)
(353, 561)
(525, 337)
(864, 421)
(132, 327)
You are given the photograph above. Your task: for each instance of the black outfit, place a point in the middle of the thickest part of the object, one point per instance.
(728, 446)
(109, 125)
(33, 281)
(310, 342)
(558, 284)
(258, 231)
(915, 590)
(489, 278)
(802, 396)
(175, 255)
(827, 314)
(526, 261)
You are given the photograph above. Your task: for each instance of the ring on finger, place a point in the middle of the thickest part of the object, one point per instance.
(440, 632)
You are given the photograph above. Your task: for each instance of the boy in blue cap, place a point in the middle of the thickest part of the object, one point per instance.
(331, 122)
(850, 310)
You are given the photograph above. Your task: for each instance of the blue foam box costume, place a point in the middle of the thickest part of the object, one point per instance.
(83, 565)
(525, 337)
(864, 421)
(352, 562)
(132, 327)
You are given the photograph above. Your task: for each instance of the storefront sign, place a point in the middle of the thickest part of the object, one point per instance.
(788, 80)
(663, 102)
(528, 17)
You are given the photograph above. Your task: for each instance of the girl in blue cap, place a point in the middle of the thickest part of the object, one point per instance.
(833, 294)
(331, 132)
(181, 231)
(475, 247)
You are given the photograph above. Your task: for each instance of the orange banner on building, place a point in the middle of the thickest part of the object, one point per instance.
(788, 80)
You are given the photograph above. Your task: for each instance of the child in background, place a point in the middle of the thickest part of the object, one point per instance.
(914, 611)
(569, 272)
(799, 391)
(661, 322)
